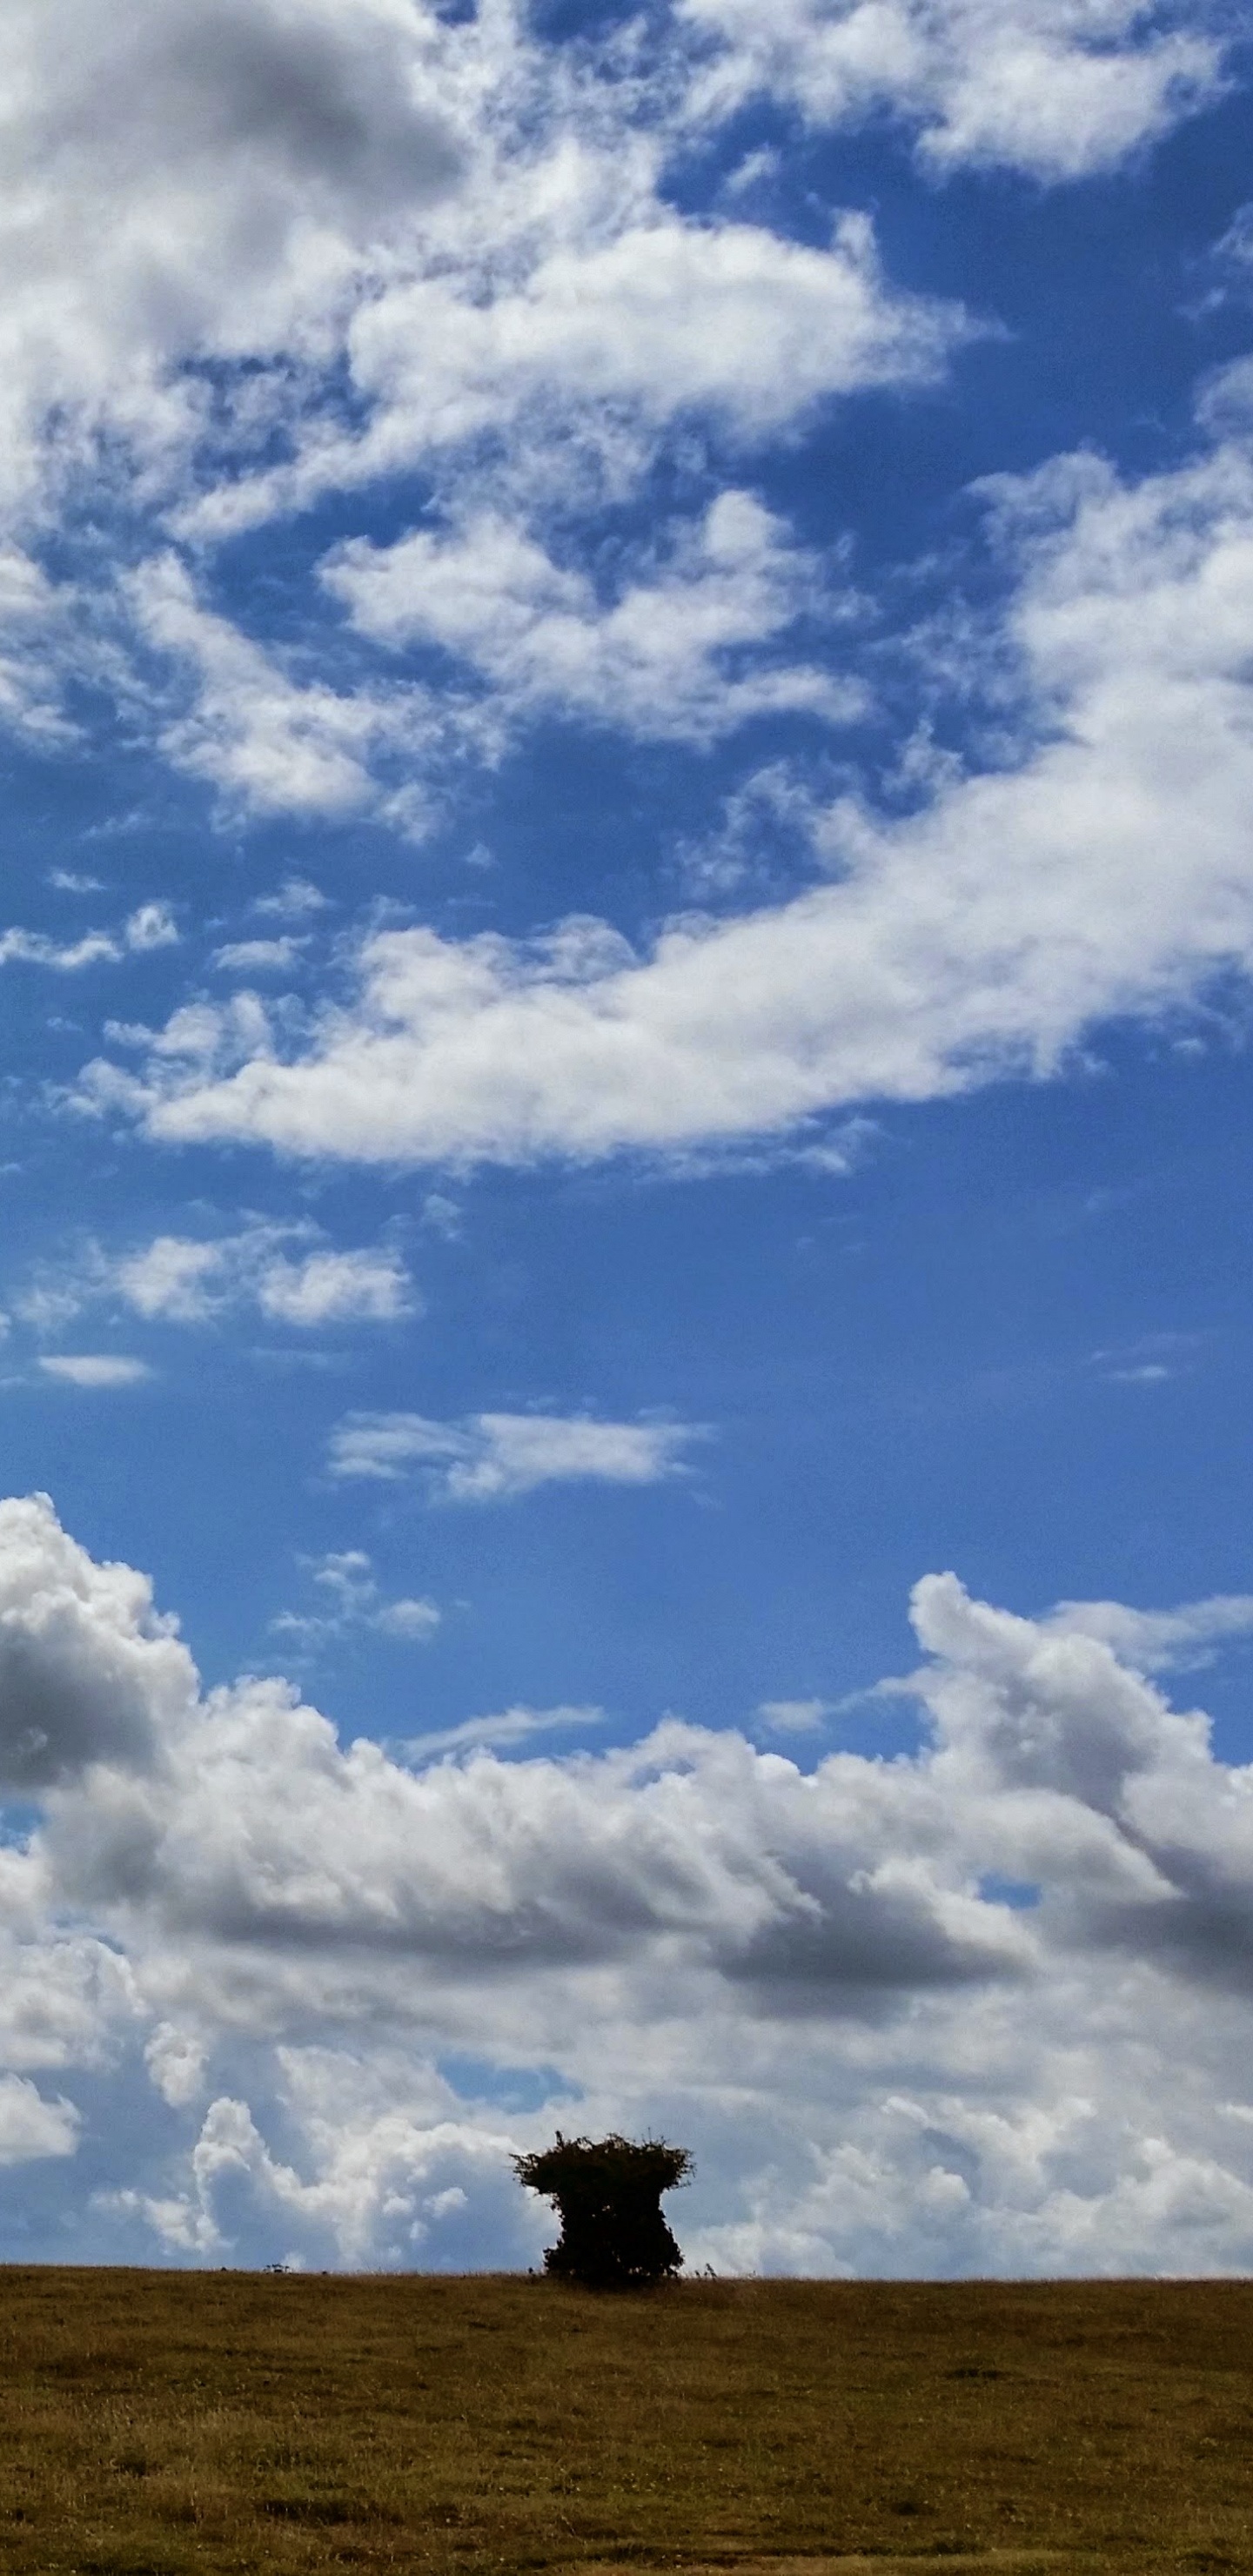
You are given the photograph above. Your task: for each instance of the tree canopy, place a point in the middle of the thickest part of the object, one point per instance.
(608, 2191)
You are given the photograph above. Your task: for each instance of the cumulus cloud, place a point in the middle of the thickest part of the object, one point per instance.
(31, 2126)
(336, 1288)
(662, 319)
(89, 1671)
(257, 261)
(297, 1930)
(286, 1272)
(274, 743)
(371, 2188)
(661, 659)
(294, 900)
(1103, 873)
(254, 152)
(494, 1457)
(1055, 90)
(231, 232)
(151, 926)
(213, 209)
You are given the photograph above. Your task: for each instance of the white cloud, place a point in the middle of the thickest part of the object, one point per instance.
(66, 957)
(662, 318)
(221, 188)
(600, 321)
(188, 179)
(175, 2060)
(336, 1288)
(1059, 89)
(89, 1671)
(467, 231)
(94, 1369)
(510, 1726)
(492, 1457)
(216, 232)
(272, 743)
(1107, 873)
(665, 658)
(372, 2181)
(295, 900)
(413, 1620)
(285, 1271)
(151, 926)
(71, 881)
(1157, 1640)
(794, 1716)
(350, 1601)
(30, 2126)
(802, 1973)
(170, 1278)
(259, 956)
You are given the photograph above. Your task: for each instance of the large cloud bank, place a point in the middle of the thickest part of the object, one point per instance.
(979, 2007)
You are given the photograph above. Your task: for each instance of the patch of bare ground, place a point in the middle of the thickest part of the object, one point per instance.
(156, 2423)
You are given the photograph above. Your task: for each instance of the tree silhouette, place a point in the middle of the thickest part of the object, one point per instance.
(608, 2191)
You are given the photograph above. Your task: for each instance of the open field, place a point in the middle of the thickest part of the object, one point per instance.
(155, 2422)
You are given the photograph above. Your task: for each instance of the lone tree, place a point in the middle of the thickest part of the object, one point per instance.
(608, 2190)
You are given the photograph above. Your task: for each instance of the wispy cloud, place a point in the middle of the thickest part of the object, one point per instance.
(152, 926)
(494, 1457)
(795, 1716)
(286, 1272)
(512, 1726)
(1160, 1640)
(350, 1602)
(94, 1369)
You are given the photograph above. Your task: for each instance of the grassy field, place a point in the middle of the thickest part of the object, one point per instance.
(153, 2423)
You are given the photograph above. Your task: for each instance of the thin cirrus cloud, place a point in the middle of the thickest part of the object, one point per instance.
(494, 1457)
(384, 1909)
(1106, 873)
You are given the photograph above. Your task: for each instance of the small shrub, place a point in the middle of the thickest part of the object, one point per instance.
(608, 2191)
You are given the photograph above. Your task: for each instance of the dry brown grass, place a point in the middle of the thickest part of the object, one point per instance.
(152, 2423)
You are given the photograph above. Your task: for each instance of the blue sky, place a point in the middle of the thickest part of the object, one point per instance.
(624, 665)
